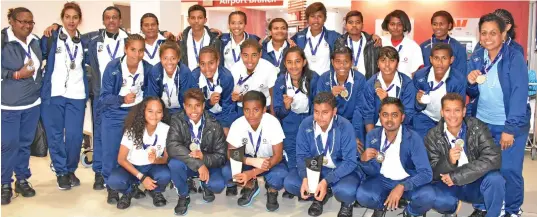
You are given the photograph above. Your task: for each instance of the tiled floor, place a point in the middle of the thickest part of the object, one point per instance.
(84, 201)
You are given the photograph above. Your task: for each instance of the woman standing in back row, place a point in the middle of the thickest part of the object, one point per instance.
(231, 42)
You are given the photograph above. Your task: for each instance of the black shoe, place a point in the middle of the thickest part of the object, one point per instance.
(379, 213)
(231, 191)
(272, 201)
(182, 205)
(113, 197)
(287, 195)
(406, 214)
(64, 182)
(137, 193)
(357, 205)
(478, 213)
(208, 195)
(158, 199)
(192, 189)
(345, 210)
(74, 180)
(125, 201)
(99, 182)
(316, 208)
(24, 188)
(7, 193)
(248, 195)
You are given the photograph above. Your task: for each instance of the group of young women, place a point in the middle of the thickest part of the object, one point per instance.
(135, 80)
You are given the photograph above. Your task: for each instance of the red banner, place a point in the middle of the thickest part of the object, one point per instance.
(240, 3)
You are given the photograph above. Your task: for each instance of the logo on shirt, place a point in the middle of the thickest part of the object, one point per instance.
(244, 141)
(264, 141)
(100, 49)
(476, 59)
(246, 87)
(227, 51)
(325, 44)
(261, 86)
(281, 87)
(405, 60)
(373, 141)
(327, 83)
(115, 72)
(421, 79)
(59, 50)
(309, 130)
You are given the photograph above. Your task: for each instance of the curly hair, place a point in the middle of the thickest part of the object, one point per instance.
(135, 120)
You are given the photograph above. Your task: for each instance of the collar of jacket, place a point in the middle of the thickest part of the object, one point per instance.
(187, 29)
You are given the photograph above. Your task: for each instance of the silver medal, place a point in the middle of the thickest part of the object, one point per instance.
(193, 146)
(380, 157)
(425, 99)
(481, 79)
(72, 65)
(459, 142)
(218, 89)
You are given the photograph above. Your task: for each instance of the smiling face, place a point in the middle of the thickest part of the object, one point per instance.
(250, 57)
(134, 51)
(316, 21)
(387, 66)
(294, 64)
(342, 64)
(153, 112)
(391, 117)
(193, 109)
(441, 27)
(208, 64)
(169, 60)
(278, 31)
(23, 24)
(71, 19)
(453, 112)
(491, 38)
(237, 24)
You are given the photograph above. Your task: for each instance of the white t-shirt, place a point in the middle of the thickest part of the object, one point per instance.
(132, 83)
(65, 81)
(324, 138)
(205, 41)
(202, 82)
(263, 78)
(433, 108)
(152, 50)
(35, 60)
(321, 61)
(392, 167)
(170, 93)
(355, 48)
(396, 82)
(451, 139)
(410, 57)
(300, 104)
(271, 134)
(231, 51)
(139, 156)
(277, 53)
(110, 45)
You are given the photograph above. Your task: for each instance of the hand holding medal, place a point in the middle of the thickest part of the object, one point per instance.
(474, 75)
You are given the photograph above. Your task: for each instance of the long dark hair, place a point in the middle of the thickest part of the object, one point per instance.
(135, 120)
(508, 19)
(307, 74)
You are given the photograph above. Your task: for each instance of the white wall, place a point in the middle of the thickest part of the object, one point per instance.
(139, 8)
(48, 12)
(219, 20)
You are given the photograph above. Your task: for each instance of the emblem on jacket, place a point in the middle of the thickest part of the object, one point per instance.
(373, 141)
(59, 50)
(227, 51)
(124, 82)
(244, 141)
(476, 59)
(100, 49)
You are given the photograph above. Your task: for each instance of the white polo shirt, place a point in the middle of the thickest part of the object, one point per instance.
(202, 82)
(451, 139)
(65, 81)
(170, 90)
(139, 155)
(277, 53)
(231, 47)
(397, 83)
(110, 44)
(35, 60)
(321, 61)
(433, 108)
(410, 57)
(392, 167)
(132, 83)
(324, 138)
(190, 43)
(262, 79)
(355, 49)
(269, 130)
(152, 51)
(300, 104)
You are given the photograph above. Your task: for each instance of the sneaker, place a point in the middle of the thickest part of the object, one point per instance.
(208, 195)
(248, 195)
(7, 193)
(287, 195)
(182, 205)
(24, 188)
(316, 208)
(379, 213)
(407, 214)
(272, 201)
(99, 182)
(74, 180)
(125, 201)
(137, 193)
(158, 199)
(113, 196)
(64, 182)
(192, 189)
(508, 214)
(231, 191)
(478, 213)
(345, 210)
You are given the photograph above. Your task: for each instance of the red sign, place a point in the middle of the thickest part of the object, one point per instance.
(240, 3)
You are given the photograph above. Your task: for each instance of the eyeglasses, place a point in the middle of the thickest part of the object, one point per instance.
(29, 23)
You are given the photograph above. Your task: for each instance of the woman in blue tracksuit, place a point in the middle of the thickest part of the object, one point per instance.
(293, 96)
(64, 94)
(442, 22)
(124, 84)
(498, 89)
(216, 83)
(317, 41)
(432, 83)
(21, 86)
(274, 49)
(170, 78)
(509, 38)
(387, 82)
(230, 50)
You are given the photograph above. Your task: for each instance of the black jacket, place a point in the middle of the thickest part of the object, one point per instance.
(215, 42)
(483, 154)
(213, 143)
(371, 53)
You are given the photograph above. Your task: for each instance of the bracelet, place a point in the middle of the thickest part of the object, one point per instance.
(16, 76)
(143, 178)
(139, 175)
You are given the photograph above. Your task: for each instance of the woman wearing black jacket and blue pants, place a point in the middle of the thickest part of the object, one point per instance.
(21, 84)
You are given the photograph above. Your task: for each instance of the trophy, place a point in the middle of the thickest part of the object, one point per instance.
(313, 172)
(236, 159)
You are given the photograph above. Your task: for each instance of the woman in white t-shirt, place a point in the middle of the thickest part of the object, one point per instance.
(142, 155)
(398, 24)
